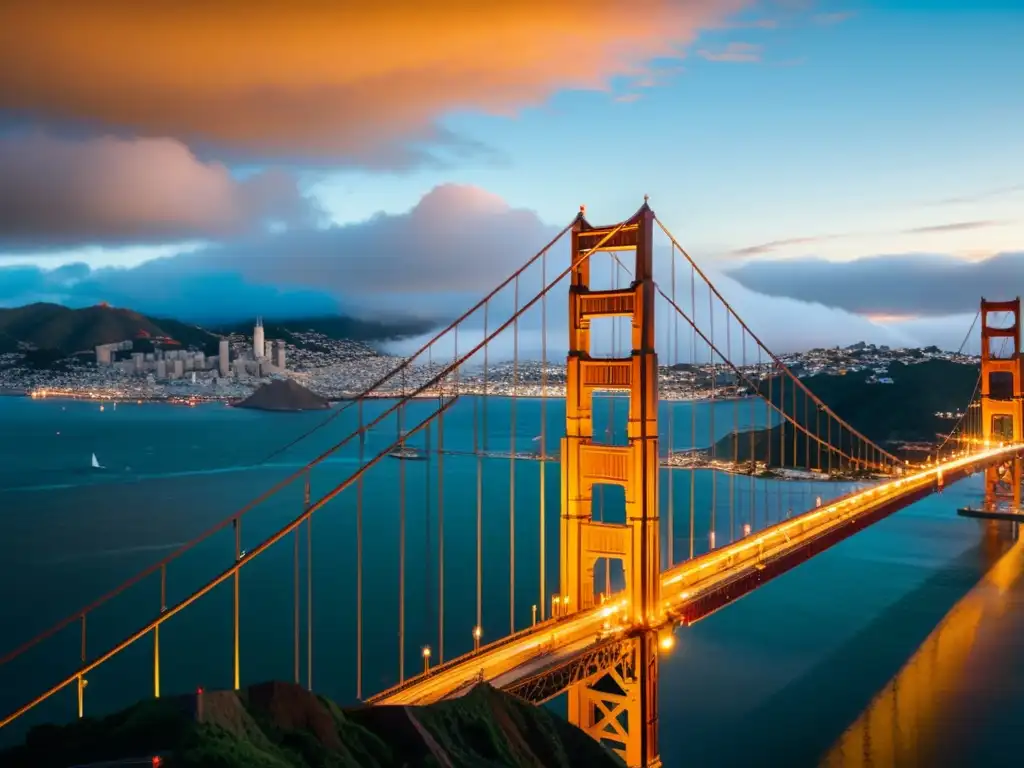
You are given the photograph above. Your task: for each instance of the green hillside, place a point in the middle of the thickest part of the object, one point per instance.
(52, 327)
(281, 725)
(903, 411)
(55, 327)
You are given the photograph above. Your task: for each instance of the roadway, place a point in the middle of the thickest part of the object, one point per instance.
(693, 589)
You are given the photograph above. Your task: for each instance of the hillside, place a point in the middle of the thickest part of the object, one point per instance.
(54, 327)
(284, 395)
(903, 411)
(281, 725)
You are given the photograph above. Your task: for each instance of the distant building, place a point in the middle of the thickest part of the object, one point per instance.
(258, 343)
(223, 358)
(278, 357)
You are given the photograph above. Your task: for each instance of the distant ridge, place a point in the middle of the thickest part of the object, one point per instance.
(284, 395)
(57, 328)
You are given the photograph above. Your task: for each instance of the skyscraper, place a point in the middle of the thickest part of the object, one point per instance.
(223, 358)
(258, 344)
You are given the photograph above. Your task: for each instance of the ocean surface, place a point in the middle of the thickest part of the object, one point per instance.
(900, 646)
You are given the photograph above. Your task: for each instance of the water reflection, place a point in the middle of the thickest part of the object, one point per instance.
(933, 712)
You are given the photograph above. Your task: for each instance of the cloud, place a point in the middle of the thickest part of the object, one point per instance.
(958, 226)
(358, 82)
(433, 261)
(914, 285)
(931, 229)
(774, 245)
(737, 53)
(56, 192)
(160, 289)
(980, 196)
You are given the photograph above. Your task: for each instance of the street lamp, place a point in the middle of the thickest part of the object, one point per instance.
(426, 658)
(477, 634)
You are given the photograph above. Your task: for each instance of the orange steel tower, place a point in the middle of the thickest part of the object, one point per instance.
(597, 705)
(1002, 415)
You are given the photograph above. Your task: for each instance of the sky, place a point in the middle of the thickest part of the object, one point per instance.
(843, 170)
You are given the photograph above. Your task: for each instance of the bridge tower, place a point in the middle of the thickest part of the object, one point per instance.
(620, 705)
(1002, 412)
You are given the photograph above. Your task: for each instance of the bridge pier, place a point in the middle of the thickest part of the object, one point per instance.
(618, 704)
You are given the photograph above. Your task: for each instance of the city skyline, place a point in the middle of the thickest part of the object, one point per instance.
(805, 153)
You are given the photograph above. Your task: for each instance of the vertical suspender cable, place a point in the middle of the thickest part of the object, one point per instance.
(298, 600)
(401, 551)
(714, 373)
(768, 438)
(309, 593)
(440, 535)
(543, 429)
(670, 472)
(693, 408)
(735, 437)
(512, 471)
(359, 561)
(479, 483)
(237, 630)
(428, 571)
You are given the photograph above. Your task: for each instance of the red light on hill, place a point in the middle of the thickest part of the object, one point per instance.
(143, 333)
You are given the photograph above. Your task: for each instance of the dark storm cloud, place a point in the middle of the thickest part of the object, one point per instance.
(924, 285)
(63, 192)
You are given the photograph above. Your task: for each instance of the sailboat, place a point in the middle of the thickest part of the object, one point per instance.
(96, 463)
(407, 453)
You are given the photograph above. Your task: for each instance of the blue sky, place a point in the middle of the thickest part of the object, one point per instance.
(884, 134)
(851, 126)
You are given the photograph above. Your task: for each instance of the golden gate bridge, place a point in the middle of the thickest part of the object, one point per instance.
(624, 582)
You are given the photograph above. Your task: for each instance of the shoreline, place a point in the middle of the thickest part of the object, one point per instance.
(193, 400)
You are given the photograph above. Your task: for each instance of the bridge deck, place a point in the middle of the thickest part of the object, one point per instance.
(691, 590)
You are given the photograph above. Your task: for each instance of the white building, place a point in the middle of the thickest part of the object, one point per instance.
(258, 344)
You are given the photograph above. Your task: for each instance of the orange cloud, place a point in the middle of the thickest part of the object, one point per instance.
(322, 80)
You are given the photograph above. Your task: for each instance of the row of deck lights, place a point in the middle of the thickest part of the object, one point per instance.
(560, 603)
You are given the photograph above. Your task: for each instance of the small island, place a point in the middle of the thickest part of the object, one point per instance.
(284, 395)
(282, 725)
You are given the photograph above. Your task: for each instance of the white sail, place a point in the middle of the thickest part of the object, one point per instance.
(95, 462)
